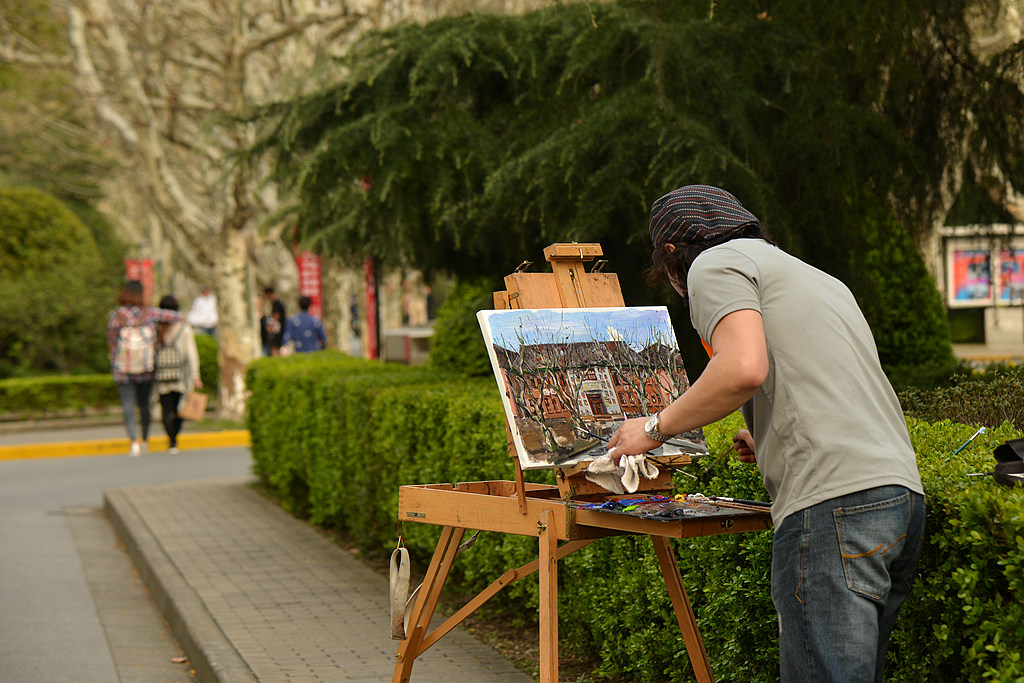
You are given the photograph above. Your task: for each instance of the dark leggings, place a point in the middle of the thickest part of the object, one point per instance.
(169, 410)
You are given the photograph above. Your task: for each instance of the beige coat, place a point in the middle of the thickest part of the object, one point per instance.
(184, 340)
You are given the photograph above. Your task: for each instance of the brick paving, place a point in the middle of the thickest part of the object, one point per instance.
(255, 594)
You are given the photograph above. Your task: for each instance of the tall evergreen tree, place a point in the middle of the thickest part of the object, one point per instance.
(470, 143)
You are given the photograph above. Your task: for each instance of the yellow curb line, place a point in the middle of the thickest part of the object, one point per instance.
(69, 449)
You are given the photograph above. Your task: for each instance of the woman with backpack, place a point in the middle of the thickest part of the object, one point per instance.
(131, 341)
(177, 369)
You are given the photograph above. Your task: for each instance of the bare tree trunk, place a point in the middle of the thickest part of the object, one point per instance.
(159, 77)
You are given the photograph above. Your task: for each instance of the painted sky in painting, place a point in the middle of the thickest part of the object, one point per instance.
(638, 326)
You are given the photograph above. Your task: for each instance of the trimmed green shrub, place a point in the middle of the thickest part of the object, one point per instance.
(41, 397)
(457, 344)
(902, 304)
(988, 398)
(335, 437)
(57, 287)
(209, 364)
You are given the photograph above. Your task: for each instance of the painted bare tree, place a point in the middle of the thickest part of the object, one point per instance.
(553, 366)
(167, 80)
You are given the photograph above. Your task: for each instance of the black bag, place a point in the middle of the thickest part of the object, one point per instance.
(1010, 463)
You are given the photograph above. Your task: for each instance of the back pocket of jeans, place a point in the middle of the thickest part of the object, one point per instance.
(871, 537)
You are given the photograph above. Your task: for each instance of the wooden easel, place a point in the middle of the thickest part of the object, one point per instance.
(515, 507)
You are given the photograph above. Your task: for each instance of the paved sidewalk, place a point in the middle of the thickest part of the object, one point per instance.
(255, 594)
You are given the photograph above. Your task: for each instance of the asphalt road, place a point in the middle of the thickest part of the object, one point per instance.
(72, 609)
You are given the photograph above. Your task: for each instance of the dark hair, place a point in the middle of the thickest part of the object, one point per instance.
(131, 294)
(268, 290)
(169, 303)
(675, 265)
(305, 302)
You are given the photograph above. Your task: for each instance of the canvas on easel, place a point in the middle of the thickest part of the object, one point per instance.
(568, 377)
(586, 370)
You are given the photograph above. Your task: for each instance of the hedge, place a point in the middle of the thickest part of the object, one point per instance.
(59, 396)
(334, 437)
(47, 396)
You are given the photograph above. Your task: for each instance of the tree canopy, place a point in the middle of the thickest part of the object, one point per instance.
(57, 286)
(470, 143)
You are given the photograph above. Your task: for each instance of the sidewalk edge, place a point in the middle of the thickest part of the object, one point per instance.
(211, 653)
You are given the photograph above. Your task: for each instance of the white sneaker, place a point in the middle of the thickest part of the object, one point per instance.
(145, 447)
(174, 450)
(136, 450)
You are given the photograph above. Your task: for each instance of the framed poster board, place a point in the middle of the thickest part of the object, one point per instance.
(970, 276)
(1010, 282)
(569, 376)
(984, 271)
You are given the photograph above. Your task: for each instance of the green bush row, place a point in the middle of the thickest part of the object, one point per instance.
(77, 395)
(990, 397)
(59, 396)
(334, 438)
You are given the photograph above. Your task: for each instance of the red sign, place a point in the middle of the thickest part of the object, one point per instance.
(372, 336)
(142, 270)
(309, 265)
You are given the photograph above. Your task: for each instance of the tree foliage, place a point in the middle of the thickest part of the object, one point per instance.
(470, 143)
(57, 286)
(44, 137)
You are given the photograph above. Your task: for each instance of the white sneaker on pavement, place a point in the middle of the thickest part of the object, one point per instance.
(136, 449)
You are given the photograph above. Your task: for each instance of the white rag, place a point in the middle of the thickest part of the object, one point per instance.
(622, 476)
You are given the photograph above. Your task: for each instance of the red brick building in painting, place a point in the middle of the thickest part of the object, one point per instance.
(598, 381)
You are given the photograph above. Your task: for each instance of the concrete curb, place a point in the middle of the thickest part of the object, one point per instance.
(211, 653)
(220, 439)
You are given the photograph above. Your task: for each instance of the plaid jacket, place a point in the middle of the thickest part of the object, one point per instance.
(134, 316)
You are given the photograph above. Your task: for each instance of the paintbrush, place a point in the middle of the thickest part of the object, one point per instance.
(974, 436)
(729, 450)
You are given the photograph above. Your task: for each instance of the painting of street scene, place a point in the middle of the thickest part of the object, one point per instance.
(568, 377)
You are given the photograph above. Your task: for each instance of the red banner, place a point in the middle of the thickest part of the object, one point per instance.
(372, 336)
(309, 265)
(142, 270)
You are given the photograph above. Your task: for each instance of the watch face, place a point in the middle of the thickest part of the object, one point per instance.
(651, 427)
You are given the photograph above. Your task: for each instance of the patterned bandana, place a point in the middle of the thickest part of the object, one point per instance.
(697, 214)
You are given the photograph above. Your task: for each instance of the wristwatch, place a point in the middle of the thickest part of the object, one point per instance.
(651, 428)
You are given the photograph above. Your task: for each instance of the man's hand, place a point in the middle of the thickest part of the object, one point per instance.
(744, 446)
(631, 439)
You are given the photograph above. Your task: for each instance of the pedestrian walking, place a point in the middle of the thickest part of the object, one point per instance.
(131, 342)
(176, 372)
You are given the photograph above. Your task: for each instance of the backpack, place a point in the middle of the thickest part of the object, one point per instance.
(169, 362)
(135, 349)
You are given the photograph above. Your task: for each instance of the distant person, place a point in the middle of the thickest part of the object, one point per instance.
(272, 323)
(304, 331)
(203, 314)
(131, 342)
(176, 372)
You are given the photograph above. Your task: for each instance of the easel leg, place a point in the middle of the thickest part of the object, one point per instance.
(548, 573)
(684, 611)
(426, 602)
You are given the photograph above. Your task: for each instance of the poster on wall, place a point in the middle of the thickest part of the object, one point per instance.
(1011, 276)
(970, 277)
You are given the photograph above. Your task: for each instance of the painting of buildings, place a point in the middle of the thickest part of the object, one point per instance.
(568, 377)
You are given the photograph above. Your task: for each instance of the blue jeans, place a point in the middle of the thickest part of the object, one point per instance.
(135, 394)
(840, 571)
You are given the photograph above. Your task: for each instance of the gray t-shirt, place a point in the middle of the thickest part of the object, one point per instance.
(826, 422)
